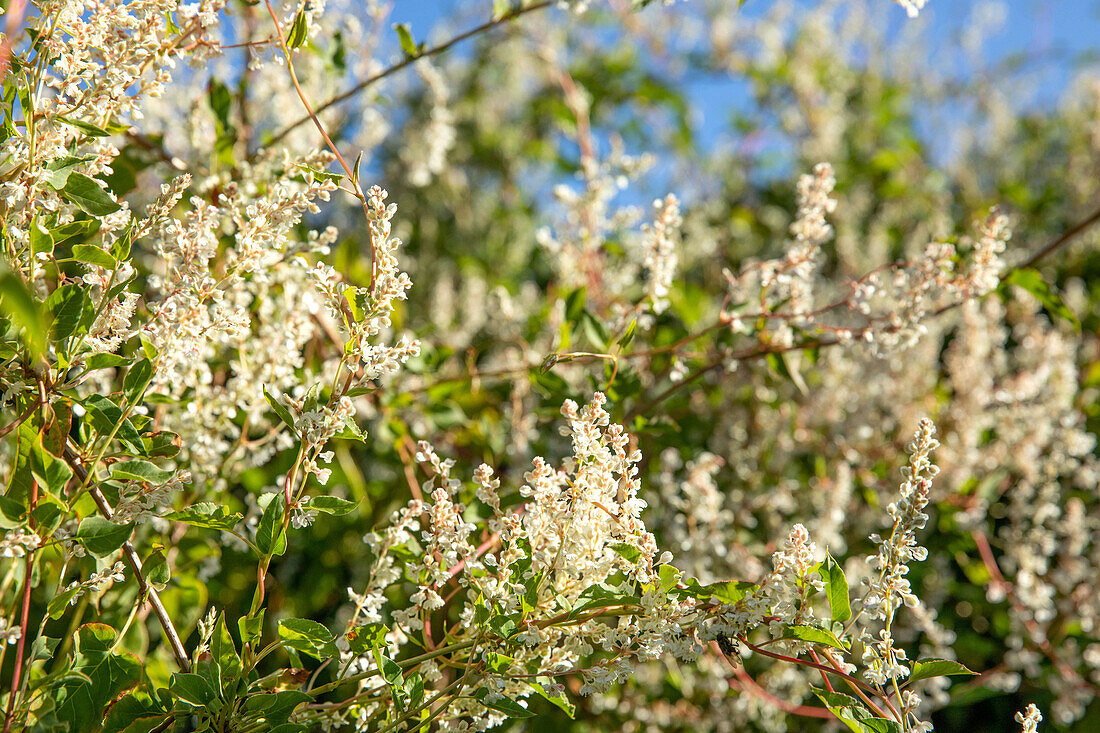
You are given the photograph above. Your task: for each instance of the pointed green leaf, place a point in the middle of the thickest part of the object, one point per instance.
(101, 537)
(927, 668)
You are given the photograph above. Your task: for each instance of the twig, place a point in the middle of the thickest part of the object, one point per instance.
(1068, 235)
(131, 557)
(22, 418)
(17, 672)
(409, 60)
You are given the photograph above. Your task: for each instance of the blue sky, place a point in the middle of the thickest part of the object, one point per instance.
(1058, 35)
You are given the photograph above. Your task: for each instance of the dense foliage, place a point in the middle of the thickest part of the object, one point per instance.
(349, 380)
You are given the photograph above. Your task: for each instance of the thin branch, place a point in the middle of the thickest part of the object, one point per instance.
(488, 25)
(1070, 234)
(353, 176)
(22, 418)
(131, 557)
(17, 672)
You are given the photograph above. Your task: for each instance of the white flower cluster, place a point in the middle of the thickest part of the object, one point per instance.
(660, 242)
(365, 312)
(9, 634)
(18, 542)
(1029, 719)
(146, 499)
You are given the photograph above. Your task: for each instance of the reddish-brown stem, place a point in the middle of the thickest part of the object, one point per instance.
(22, 418)
(824, 677)
(753, 687)
(17, 672)
(353, 176)
(857, 686)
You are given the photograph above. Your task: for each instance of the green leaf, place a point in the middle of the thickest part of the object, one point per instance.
(504, 704)
(364, 638)
(62, 168)
(137, 712)
(69, 305)
(101, 537)
(814, 635)
(251, 627)
(48, 516)
(574, 305)
(628, 334)
(156, 570)
(12, 512)
(298, 30)
(206, 515)
(669, 577)
(542, 685)
(927, 668)
(391, 673)
(270, 537)
(50, 471)
(162, 443)
(137, 379)
(351, 431)
(836, 588)
(275, 707)
(320, 175)
(75, 232)
(93, 255)
(100, 678)
(225, 652)
(86, 127)
(499, 663)
(730, 591)
(1032, 281)
(594, 329)
(17, 303)
(854, 715)
(44, 647)
(192, 688)
(630, 553)
(308, 637)
(60, 603)
(404, 37)
(504, 8)
(221, 102)
(139, 470)
(104, 361)
(331, 505)
(88, 195)
(602, 596)
(280, 410)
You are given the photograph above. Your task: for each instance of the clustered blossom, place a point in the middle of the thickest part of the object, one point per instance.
(569, 582)
(202, 309)
(660, 239)
(790, 279)
(148, 499)
(579, 529)
(426, 153)
(365, 312)
(96, 582)
(1029, 719)
(901, 547)
(778, 601)
(18, 542)
(9, 634)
